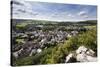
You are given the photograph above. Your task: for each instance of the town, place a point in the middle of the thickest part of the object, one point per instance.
(32, 39)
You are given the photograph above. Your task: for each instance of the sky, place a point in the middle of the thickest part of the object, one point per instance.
(23, 9)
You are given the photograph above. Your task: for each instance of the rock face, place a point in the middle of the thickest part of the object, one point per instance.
(82, 54)
(70, 58)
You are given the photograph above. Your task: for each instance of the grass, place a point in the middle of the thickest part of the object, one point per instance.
(90, 27)
(20, 41)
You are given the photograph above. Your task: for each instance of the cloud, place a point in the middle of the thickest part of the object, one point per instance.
(70, 15)
(40, 10)
(64, 14)
(83, 14)
(21, 8)
(17, 2)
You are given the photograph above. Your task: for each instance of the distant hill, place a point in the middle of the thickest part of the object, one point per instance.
(88, 22)
(52, 22)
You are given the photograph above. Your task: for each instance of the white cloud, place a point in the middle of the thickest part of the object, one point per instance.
(21, 8)
(70, 15)
(81, 13)
(35, 10)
